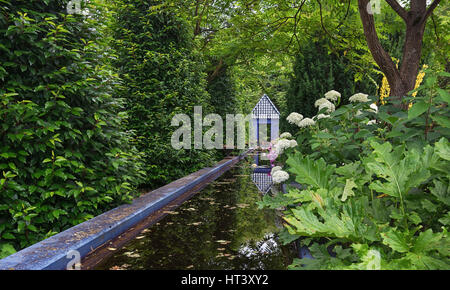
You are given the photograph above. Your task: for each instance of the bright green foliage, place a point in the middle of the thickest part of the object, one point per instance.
(63, 155)
(376, 196)
(161, 78)
(383, 232)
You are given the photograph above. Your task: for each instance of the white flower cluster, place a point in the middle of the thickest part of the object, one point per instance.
(294, 118)
(297, 119)
(359, 97)
(282, 144)
(322, 116)
(286, 135)
(280, 176)
(320, 101)
(332, 95)
(306, 122)
(274, 169)
(373, 108)
(324, 103)
(329, 105)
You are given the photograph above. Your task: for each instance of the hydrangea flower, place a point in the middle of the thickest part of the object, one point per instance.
(282, 145)
(329, 105)
(332, 95)
(372, 122)
(294, 118)
(373, 108)
(322, 116)
(359, 97)
(306, 122)
(286, 135)
(320, 102)
(276, 168)
(280, 176)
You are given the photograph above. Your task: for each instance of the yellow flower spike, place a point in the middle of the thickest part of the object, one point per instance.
(385, 89)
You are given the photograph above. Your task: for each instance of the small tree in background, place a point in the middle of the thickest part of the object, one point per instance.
(161, 78)
(316, 72)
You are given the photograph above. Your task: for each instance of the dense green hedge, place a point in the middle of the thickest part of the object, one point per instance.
(63, 155)
(161, 77)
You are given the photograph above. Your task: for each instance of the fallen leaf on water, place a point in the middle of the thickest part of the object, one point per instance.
(170, 212)
(132, 255)
(206, 198)
(221, 249)
(145, 231)
(195, 224)
(222, 242)
(191, 209)
(189, 267)
(140, 237)
(112, 249)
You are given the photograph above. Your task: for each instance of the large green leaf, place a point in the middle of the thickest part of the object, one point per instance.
(311, 172)
(397, 240)
(441, 120)
(418, 109)
(443, 148)
(401, 170)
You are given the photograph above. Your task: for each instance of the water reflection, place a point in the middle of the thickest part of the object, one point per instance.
(219, 228)
(261, 175)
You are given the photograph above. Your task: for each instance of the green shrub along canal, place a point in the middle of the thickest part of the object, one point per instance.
(220, 227)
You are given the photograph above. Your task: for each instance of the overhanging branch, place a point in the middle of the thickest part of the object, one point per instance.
(431, 8)
(398, 9)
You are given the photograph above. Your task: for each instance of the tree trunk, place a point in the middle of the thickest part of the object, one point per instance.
(402, 80)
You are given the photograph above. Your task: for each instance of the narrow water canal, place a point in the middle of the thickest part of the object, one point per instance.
(220, 227)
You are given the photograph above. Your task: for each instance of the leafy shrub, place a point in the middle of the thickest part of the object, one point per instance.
(316, 72)
(64, 157)
(376, 194)
(161, 77)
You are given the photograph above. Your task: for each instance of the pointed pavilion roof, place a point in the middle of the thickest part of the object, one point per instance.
(265, 109)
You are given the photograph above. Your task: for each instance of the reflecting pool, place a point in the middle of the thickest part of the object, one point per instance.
(220, 227)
